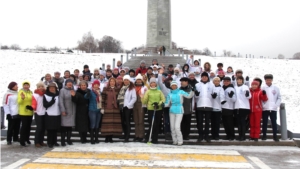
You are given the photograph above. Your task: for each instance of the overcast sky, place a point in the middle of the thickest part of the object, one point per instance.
(256, 27)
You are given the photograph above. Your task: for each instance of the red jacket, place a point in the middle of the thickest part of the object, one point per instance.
(256, 100)
(140, 70)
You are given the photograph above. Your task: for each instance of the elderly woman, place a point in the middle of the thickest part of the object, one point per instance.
(96, 75)
(68, 111)
(25, 112)
(52, 115)
(48, 79)
(111, 123)
(126, 99)
(39, 115)
(82, 110)
(94, 99)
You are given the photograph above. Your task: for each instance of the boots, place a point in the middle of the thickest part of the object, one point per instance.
(82, 137)
(110, 139)
(92, 136)
(106, 139)
(62, 138)
(96, 136)
(69, 133)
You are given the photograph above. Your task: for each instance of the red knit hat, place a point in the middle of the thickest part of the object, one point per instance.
(119, 78)
(11, 85)
(255, 82)
(96, 82)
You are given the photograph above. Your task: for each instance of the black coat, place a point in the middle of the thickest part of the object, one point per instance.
(82, 111)
(51, 122)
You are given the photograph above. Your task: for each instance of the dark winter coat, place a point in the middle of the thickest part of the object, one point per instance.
(59, 82)
(187, 103)
(82, 111)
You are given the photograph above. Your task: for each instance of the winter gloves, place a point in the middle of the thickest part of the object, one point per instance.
(247, 93)
(155, 105)
(231, 94)
(264, 92)
(247, 78)
(223, 102)
(29, 108)
(214, 95)
(233, 78)
(197, 93)
(102, 111)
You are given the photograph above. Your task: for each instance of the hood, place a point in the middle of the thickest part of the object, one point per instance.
(25, 82)
(184, 66)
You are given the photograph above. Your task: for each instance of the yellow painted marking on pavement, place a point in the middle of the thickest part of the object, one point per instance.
(145, 156)
(64, 166)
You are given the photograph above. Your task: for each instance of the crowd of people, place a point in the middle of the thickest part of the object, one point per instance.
(106, 101)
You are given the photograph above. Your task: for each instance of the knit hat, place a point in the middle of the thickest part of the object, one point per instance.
(40, 83)
(184, 79)
(152, 80)
(139, 76)
(25, 82)
(85, 66)
(123, 70)
(204, 74)
(221, 72)
(119, 78)
(116, 69)
(68, 80)
(174, 83)
(11, 85)
(226, 78)
(177, 68)
(142, 62)
(102, 72)
(239, 71)
(255, 82)
(258, 80)
(220, 64)
(96, 82)
(268, 76)
(127, 77)
(52, 84)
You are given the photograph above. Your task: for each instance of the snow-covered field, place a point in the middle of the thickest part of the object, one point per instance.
(20, 66)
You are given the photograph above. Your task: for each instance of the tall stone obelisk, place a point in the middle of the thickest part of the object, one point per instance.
(159, 23)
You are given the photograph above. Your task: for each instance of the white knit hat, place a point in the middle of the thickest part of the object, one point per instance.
(174, 83)
(40, 83)
(139, 76)
(102, 72)
(177, 68)
(152, 80)
(126, 77)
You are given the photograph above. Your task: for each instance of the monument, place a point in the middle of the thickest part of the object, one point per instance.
(159, 24)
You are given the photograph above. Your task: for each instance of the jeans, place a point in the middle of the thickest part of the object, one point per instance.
(175, 122)
(273, 117)
(95, 117)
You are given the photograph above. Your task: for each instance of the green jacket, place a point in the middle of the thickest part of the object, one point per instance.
(23, 103)
(152, 96)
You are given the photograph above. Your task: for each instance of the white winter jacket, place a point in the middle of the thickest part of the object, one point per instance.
(220, 98)
(242, 102)
(204, 99)
(39, 107)
(274, 98)
(229, 101)
(10, 103)
(54, 109)
(130, 98)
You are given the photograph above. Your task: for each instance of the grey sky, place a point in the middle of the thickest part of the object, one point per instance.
(257, 27)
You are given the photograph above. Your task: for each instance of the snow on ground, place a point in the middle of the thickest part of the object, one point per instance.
(20, 66)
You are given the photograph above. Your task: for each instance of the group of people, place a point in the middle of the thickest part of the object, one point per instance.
(105, 100)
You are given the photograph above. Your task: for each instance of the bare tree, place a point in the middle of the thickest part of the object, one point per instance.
(228, 53)
(281, 56)
(207, 52)
(109, 44)
(224, 52)
(40, 48)
(4, 47)
(88, 43)
(15, 47)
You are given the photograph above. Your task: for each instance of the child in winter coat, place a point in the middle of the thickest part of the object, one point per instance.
(175, 99)
(218, 101)
(242, 106)
(154, 98)
(258, 96)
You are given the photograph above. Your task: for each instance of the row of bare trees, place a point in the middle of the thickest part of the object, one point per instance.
(107, 44)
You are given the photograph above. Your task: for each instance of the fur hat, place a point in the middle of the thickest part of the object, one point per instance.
(52, 84)
(96, 82)
(139, 76)
(126, 77)
(174, 83)
(11, 85)
(40, 83)
(185, 79)
(177, 68)
(239, 71)
(152, 80)
(204, 74)
(142, 62)
(268, 76)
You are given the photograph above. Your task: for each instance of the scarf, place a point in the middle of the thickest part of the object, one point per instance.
(121, 96)
(138, 90)
(98, 98)
(41, 93)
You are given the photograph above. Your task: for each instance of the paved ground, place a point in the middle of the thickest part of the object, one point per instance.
(138, 155)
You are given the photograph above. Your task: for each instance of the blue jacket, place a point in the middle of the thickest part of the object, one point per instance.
(92, 101)
(175, 98)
